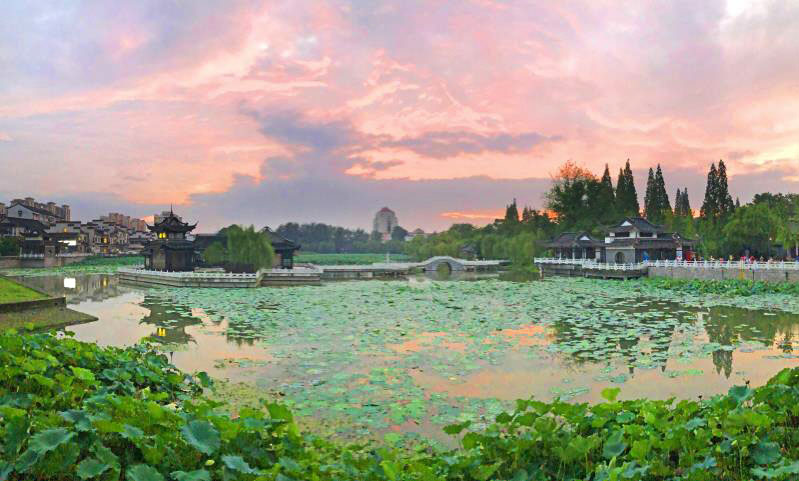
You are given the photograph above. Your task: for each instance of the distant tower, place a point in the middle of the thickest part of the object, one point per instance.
(384, 223)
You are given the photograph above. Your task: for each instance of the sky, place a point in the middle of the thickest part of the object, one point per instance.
(263, 112)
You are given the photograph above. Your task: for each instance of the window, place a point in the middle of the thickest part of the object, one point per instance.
(19, 213)
(162, 235)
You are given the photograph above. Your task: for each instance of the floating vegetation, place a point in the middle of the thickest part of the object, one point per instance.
(407, 357)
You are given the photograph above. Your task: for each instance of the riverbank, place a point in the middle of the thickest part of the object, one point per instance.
(75, 410)
(25, 307)
(11, 291)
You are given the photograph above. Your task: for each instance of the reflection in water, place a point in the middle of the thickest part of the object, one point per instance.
(170, 320)
(80, 288)
(634, 341)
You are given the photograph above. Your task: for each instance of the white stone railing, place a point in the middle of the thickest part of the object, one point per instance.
(190, 275)
(722, 264)
(715, 264)
(592, 264)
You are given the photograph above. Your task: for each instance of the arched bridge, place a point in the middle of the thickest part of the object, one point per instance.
(434, 263)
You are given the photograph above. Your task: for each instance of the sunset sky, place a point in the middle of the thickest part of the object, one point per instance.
(265, 112)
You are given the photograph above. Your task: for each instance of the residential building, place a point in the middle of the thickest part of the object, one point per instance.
(44, 210)
(70, 236)
(384, 222)
(131, 223)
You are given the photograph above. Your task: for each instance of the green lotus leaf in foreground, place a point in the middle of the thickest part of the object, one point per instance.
(159, 425)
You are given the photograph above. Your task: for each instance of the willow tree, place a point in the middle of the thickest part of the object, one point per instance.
(215, 254)
(244, 250)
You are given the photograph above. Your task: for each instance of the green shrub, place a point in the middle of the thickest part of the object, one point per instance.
(730, 287)
(71, 410)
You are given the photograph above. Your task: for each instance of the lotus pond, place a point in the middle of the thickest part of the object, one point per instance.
(407, 357)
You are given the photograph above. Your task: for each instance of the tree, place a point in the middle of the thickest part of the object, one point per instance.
(752, 227)
(512, 213)
(215, 254)
(398, 233)
(686, 204)
(626, 195)
(664, 204)
(723, 198)
(788, 235)
(245, 250)
(606, 198)
(650, 197)
(9, 246)
(573, 197)
(710, 208)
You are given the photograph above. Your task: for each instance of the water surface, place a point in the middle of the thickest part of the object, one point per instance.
(413, 355)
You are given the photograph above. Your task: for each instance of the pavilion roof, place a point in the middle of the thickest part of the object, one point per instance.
(171, 223)
(574, 239)
(278, 241)
(629, 224)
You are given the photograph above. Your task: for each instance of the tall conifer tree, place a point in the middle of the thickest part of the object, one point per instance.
(626, 196)
(710, 208)
(723, 197)
(650, 197)
(512, 213)
(686, 204)
(606, 199)
(678, 204)
(664, 204)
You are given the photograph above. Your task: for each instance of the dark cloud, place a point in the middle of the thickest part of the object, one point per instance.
(340, 136)
(384, 165)
(450, 144)
(292, 128)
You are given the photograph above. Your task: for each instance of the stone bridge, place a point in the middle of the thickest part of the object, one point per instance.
(434, 263)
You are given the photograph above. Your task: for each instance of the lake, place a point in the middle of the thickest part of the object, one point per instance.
(410, 356)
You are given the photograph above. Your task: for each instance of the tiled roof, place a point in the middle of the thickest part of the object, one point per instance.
(33, 209)
(29, 224)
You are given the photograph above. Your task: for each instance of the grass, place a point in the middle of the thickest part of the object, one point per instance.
(43, 318)
(10, 291)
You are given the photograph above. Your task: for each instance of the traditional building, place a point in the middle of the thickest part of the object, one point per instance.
(384, 223)
(284, 249)
(31, 235)
(633, 239)
(170, 251)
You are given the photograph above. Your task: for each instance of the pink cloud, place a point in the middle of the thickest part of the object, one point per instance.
(159, 106)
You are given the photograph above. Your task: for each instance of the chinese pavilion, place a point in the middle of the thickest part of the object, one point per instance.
(170, 251)
(631, 240)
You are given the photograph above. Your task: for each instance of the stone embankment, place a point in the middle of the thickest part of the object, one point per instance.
(756, 271)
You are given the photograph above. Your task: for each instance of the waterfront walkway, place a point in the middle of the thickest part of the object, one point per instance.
(707, 270)
(300, 274)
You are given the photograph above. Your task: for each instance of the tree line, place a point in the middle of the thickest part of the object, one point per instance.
(578, 201)
(326, 239)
